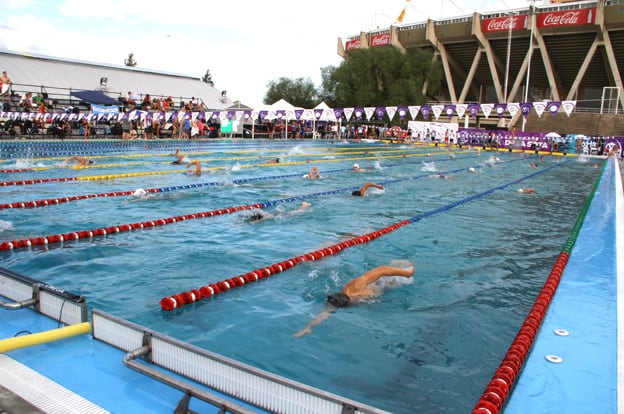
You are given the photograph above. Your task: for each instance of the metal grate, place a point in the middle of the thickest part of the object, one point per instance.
(41, 392)
(245, 383)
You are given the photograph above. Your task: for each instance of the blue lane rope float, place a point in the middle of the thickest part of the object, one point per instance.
(185, 298)
(59, 200)
(88, 234)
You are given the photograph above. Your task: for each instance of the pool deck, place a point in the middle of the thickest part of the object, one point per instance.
(580, 336)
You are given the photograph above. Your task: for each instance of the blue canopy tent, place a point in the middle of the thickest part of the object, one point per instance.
(95, 97)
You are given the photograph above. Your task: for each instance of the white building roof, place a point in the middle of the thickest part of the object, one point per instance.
(33, 71)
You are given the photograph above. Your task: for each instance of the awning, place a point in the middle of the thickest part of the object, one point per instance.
(95, 97)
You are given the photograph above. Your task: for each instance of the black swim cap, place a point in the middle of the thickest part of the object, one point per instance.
(357, 193)
(339, 300)
(256, 217)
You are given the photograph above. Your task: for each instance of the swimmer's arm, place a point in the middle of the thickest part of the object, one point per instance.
(320, 318)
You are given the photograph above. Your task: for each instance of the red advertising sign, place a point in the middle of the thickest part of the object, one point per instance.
(501, 24)
(564, 18)
(352, 44)
(380, 39)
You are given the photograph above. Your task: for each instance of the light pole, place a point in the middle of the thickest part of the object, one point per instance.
(511, 25)
(526, 86)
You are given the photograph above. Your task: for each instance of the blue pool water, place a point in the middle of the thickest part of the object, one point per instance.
(430, 344)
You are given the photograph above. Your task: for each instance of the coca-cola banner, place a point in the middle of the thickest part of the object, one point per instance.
(352, 44)
(381, 39)
(501, 24)
(566, 18)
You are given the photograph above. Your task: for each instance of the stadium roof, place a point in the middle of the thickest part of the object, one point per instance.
(31, 71)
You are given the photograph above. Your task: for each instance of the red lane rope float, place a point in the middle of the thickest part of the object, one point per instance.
(103, 231)
(497, 391)
(15, 170)
(185, 298)
(38, 181)
(59, 200)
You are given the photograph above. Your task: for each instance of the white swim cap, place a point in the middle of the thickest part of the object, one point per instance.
(520, 190)
(471, 169)
(139, 192)
(356, 166)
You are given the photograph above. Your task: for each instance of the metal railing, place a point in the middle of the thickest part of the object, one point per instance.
(55, 303)
(240, 381)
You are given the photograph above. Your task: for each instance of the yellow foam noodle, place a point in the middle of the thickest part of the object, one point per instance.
(39, 338)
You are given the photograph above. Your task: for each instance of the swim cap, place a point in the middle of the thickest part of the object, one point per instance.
(339, 300)
(139, 192)
(355, 166)
(471, 169)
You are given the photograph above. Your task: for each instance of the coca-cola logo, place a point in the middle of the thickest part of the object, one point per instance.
(496, 25)
(566, 19)
(380, 40)
(353, 44)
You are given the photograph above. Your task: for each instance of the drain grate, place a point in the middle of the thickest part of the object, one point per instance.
(42, 392)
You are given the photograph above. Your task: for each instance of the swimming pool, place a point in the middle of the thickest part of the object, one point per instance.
(481, 251)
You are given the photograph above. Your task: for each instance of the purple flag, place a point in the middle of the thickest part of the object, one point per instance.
(525, 108)
(449, 110)
(338, 113)
(425, 110)
(554, 106)
(380, 111)
(500, 109)
(403, 111)
(474, 109)
(358, 112)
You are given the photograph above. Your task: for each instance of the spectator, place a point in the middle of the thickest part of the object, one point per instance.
(86, 128)
(27, 104)
(5, 87)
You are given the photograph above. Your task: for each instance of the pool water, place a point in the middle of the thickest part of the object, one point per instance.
(429, 344)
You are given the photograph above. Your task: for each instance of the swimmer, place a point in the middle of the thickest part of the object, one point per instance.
(357, 290)
(139, 193)
(314, 172)
(275, 161)
(181, 159)
(533, 165)
(197, 165)
(526, 190)
(79, 160)
(356, 167)
(362, 191)
(260, 215)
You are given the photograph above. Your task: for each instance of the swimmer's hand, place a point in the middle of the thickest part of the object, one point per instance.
(304, 331)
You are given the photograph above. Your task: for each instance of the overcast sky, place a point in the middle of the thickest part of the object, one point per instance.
(243, 43)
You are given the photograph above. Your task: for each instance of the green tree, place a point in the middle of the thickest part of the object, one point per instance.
(326, 92)
(299, 92)
(382, 76)
(207, 78)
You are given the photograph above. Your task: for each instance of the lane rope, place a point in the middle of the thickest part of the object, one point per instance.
(103, 231)
(60, 200)
(176, 301)
(499, 387)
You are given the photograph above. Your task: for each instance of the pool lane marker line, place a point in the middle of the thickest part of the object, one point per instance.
(103, 231)
(195, 153)
(60, 200)
(162, 172)
(176, 301)
(496, 392)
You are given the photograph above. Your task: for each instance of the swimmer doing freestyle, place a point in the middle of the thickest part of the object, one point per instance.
(357, 290)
